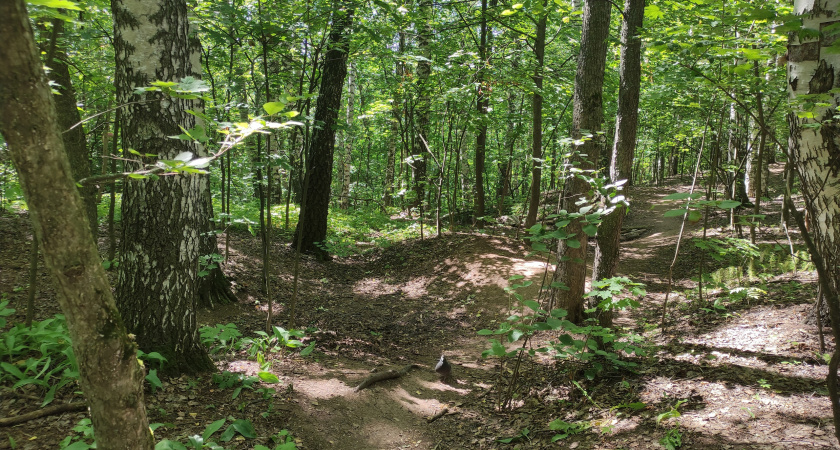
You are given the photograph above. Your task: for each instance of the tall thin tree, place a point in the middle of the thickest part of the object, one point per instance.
(588, 114)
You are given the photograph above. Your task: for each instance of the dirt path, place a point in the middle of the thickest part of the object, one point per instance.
(748, 375)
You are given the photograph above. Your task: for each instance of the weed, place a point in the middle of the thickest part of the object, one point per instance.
(566, 429)
(672, 439)
(82, 440)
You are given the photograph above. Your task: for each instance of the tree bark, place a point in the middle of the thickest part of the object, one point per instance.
(422, 106)
(348, 141)
(163, 220)
(815, 151)
(109, 374)
(312, 227)
(587, 117)
(482, 105)
(68, 115)
(536, 109)
(607, 242)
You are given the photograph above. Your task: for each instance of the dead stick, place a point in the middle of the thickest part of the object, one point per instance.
(57, 409)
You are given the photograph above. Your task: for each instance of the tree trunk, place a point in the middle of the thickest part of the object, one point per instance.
(588, 115)
(814, 151)
(423, 104)
(536, 107)
(607, 241)
(482, 105)
(312, 227)
(109, 374)
(163, 220)
(68, 116)
(348, 141)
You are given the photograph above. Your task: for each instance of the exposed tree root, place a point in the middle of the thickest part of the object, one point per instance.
(56, 409)
(387, 375)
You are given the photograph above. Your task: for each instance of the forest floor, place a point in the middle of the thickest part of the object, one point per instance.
(743, 375)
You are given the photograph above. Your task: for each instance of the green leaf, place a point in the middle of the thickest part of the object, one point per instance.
(245, 428)
(272, 108)
(153, 379)
(268, 377)
(729, 204)
(484, 332)
(306, 351)
(590, 230)
(675, 213)
(653, 12)
(212, 428)
(166, 444)
(62, 4)
(532, 304)
(573, 243)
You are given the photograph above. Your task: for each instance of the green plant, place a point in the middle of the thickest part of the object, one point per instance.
(566, 429)
(209, 262)
(155, 358)
(672, 439)
(671, 413)
(5, 311)
(227, 380)
(589, 347)
(523, 435)
(283, 441)
(82, 440)
(221, 338)
(40, 355)
(280, 339)
(238, 426)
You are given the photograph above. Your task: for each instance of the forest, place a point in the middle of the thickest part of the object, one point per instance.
(451, 224)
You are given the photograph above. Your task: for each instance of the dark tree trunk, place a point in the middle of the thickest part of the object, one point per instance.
(165, 221)
(481, 106)
(110, 377)
(68, 116)
(607, 242)
(588, 115)
(422, 107)
(536, 107)
(312, 227)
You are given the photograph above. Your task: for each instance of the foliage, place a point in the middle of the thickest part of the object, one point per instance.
(39, 356)
(590, 348)
(221, 338)
(672, 439)
(566, 429)
(83, 440)
(278, 341)
(241, 427)
(237, 381)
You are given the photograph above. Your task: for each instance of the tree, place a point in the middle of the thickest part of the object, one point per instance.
(312, 227)
(482, 105)
(69, 118)
(588, 113)
(422, 108)
(109, 373)
(165, 221)
(537, 108)
(624, 145)
(814, 144)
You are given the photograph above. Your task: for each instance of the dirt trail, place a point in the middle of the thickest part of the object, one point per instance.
(745, 376)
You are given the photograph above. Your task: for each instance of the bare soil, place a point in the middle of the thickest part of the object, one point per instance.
(747, 377)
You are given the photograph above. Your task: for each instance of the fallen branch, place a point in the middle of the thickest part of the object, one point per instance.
(387, 375)
(56, 409)
(441, 413)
